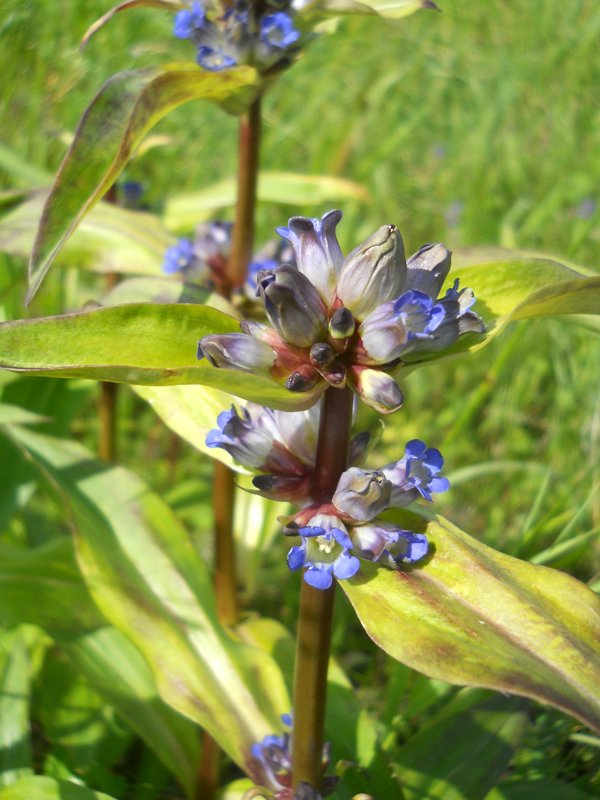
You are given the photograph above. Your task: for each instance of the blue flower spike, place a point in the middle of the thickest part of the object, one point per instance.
(324, 552)
(357, 320)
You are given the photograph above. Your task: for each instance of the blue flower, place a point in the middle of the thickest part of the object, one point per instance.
(214, 59)
(384, 543)
(179, 257)
(324, 551)
(416, 474)
(188, 23)
(277, 30)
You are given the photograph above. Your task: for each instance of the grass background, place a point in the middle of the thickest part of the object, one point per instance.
(477, 126)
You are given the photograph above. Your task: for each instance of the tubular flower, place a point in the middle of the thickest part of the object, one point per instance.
(274, 759)
(279, 445)
(324, 551)
(237, 36)
(203, 260)
(348, 321)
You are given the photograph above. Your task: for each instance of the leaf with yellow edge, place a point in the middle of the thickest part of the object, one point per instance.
(472, 615)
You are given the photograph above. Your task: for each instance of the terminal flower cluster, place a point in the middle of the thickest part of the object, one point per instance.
(238, 35)
(203, 259)
(335, 534)
(339, 321)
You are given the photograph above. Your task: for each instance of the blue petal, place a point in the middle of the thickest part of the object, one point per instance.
(342, 538)
(214, 438)
(319, 578)
(417, 548)
(439, 484)
(345, 566)
(434, 459)
(296, 557)
(415, 448)
(311, 530)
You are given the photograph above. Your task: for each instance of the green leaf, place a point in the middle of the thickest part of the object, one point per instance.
(40, 788)
(461, 752)
(472, 615)
(15, 745)
(167, 5)
(150, 583)
(390, 9)
(16, 415)
(184, 211)
(527, 790)
(155, 290)
(127, 106)
(141, 344)
(121, 675)
(109, 238)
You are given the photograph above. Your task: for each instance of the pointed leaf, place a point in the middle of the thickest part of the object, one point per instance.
(38, 787)
(109, 238)
(462, 751)
(167, 5)
(148, 580)
(139, 343)
(126, 107)
(390, 9)
(184, 211)
(472, 615)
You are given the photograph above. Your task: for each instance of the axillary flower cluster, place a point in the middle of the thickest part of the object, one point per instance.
(340, 322)
(238, 33)
(281, 446)
(348, 321)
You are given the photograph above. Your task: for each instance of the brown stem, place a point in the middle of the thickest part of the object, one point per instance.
(225, 567)
(107, 444)
(316, 606)
(242, 240)
(208, 773)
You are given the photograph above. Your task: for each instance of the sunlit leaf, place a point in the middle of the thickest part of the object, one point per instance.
(141, 344)
(472, 615)
(184, 211)
(109, 238)
(15, 695)
(38, 787)
(126, 107)
(391, 9)
(167, 5)
(154, 290)
(461, 752)
(149, 582)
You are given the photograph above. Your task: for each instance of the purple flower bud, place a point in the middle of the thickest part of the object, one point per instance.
(318, 254)
(428, 268)
(362, 494)
(324, 551)
(342, 324)
(236, 351)
(373, 273)
(377, 389)
(293, 305)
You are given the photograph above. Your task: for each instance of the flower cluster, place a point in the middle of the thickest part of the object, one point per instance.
(203, 260)
(239, 35)
(337, 533)
(274, 754)
(348, 321)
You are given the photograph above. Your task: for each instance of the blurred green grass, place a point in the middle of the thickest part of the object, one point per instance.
(480, 125)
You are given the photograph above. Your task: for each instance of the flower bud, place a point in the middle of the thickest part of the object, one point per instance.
(342, 324)
(236, 351)
(322, 354)
(293, 305)
(362, 494)
(428, 268)
(377, 389)
(318, 254)
(373, 273)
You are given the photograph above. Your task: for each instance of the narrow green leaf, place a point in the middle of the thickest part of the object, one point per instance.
(37, 787)
(16, 415)
(472, 615)
(184, 211)
(142, 344)
(167, 5)
(149, 582)
(390, 9)
(154, 290)
(547, 789)
(461, 752)
(120, 674)
(15, 691)
(127, 106)
(109, 238)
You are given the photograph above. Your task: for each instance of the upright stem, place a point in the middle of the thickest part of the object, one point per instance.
(225, 567)
(316, 606)
(107, 443)
(242, 242)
